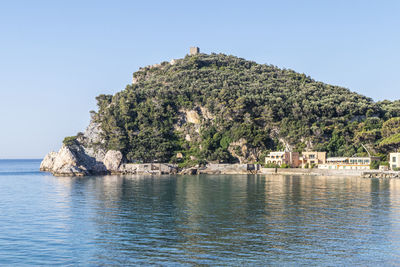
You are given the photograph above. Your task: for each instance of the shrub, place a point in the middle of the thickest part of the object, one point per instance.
(271, 165)
(374, 165)
(70, 140)
(313, 166)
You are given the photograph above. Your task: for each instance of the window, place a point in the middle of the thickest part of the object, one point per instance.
(394, 166)
(393, 159)
(312, 156)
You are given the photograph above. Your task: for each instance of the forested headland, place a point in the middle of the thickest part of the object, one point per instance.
(220, 108)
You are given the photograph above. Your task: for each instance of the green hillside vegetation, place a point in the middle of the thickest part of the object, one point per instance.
(240, 103)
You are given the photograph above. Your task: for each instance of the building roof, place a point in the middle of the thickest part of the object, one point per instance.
(348, 158)
(336, 159)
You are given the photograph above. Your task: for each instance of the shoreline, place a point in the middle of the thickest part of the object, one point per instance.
(228, 169)
(311, 172)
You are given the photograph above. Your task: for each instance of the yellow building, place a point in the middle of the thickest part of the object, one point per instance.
(281, 157)
(311, 158)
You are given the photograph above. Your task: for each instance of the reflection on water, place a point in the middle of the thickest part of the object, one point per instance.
(224, 219)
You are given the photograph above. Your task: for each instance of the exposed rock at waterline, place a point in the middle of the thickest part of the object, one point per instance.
(72, 161)
(48, 162)
(112, 160)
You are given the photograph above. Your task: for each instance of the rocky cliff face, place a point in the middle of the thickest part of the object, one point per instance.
(243, 153)
(87, 155)
(72, 161)
(84, 157)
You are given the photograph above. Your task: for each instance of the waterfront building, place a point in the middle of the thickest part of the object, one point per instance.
(394, 160)
(313, 157)
(282, 157)
(348, 163)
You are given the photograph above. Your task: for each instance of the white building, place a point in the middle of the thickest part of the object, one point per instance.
(394, 160)
(348, 163)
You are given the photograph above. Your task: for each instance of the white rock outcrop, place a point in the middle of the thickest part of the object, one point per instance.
(86, 156)
(112, 160)
(192, 116)
(92, 141)
(63, 162)
(74, 161)
(48, 162)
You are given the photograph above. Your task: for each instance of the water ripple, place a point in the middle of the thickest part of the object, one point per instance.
(196, 220)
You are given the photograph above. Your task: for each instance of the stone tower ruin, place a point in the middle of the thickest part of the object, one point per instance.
(194, 50)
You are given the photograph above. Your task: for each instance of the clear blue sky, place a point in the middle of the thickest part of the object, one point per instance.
(56, 56)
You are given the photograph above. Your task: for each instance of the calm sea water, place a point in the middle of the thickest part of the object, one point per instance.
(190, 220)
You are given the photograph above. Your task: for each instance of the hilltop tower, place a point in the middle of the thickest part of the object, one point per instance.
(194, 50)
